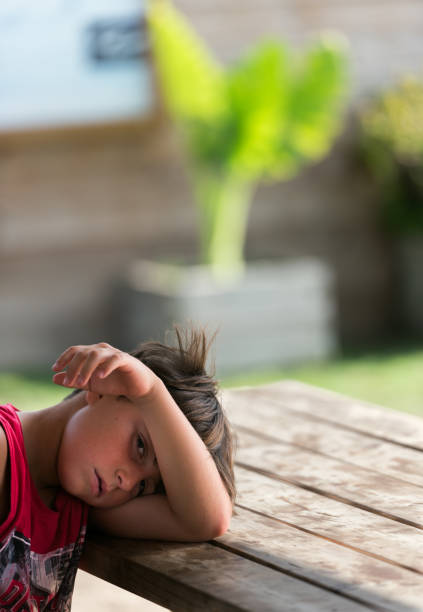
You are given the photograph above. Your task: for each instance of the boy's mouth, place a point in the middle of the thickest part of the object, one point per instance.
(100, 484)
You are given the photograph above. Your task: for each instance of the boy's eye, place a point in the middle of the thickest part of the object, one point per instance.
(140, 445)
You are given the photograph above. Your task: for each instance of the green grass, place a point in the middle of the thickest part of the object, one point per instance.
(392, 378)
(29, 391)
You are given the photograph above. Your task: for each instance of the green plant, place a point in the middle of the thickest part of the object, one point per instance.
(260, 119)
(392, 129)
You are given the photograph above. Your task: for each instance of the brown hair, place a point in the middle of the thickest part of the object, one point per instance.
(182, 368)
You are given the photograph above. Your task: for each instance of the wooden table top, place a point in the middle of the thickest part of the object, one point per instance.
(329, 514)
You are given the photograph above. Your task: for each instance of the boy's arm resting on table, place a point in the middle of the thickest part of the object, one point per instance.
(4, 477)
(196, 505)
(149, 518)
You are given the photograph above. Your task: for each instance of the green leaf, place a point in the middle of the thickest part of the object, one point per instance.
(191, 79)
(318, 96)
(257, 91)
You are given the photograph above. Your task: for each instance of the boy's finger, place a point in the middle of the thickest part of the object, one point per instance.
(93, 360)
(65, 357)
(59, 379)
(110, 364)
(74, 366)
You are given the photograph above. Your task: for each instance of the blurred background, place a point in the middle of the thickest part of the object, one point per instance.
(93, 176)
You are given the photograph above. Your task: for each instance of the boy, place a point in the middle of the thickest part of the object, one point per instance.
(143, 445)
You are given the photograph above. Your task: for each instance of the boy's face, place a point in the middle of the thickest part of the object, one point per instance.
(106, 456)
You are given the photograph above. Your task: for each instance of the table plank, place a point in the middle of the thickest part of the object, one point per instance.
(347, 525)
(281, 423)
(325, 563)
(348, 413)
(354, 485)
(190, 577)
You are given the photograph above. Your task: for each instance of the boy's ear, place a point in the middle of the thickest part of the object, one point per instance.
(92, 397)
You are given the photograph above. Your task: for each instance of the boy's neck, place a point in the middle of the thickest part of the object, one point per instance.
(42, 431)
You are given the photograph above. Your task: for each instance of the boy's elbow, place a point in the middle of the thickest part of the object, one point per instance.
(219, 526)
(210, 532)
(214, 522)
(222, 527)
(211, 529)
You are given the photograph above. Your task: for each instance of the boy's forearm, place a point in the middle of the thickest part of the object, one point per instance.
(193, 485)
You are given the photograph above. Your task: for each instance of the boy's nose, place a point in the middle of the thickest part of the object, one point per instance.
(128, 478)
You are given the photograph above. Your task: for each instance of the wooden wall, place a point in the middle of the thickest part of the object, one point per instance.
(75, 207)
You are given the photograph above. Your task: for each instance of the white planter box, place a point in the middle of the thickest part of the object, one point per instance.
(276, 314)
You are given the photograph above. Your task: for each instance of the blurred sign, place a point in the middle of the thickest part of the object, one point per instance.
(65, 62)
(117, 39)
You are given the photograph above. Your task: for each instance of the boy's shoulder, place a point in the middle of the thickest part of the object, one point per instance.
(4, 476)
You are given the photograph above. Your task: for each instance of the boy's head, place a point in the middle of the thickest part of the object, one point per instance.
(182, 368)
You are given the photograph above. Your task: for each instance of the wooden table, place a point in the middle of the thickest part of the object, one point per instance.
(329, 514)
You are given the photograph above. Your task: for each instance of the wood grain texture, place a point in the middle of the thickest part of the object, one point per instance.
(334, 408)
(189, 577)
(367, 532)
(365, 488)
(346, 440)
(325, 563)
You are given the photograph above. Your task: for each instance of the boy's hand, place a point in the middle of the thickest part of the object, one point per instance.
(103, 369)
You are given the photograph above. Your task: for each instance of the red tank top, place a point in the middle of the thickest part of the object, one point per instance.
(40, 548)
